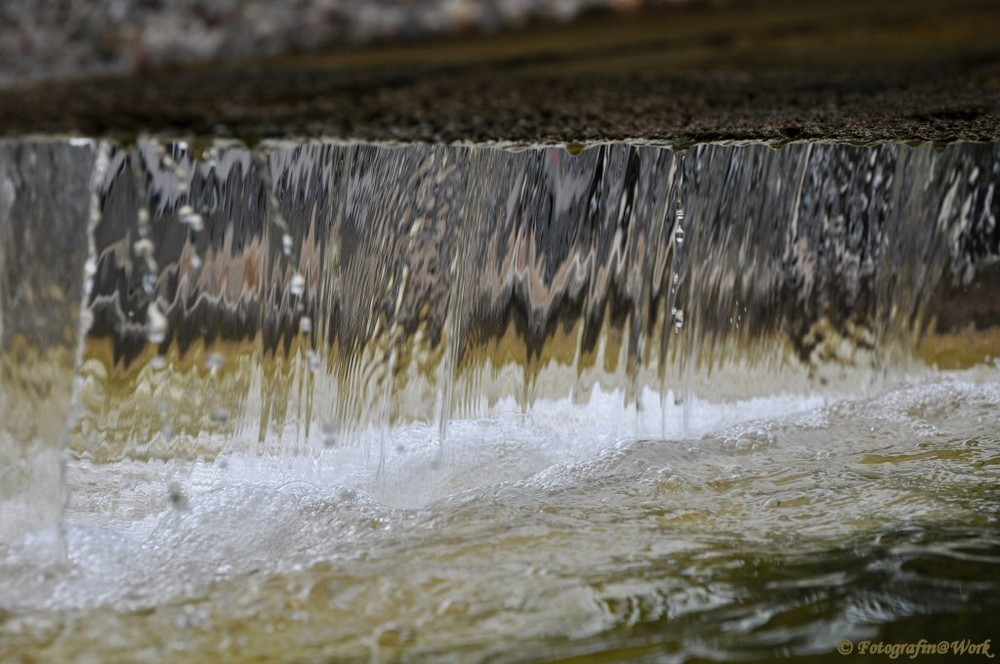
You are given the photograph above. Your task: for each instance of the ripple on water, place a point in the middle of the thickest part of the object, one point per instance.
(762, 537)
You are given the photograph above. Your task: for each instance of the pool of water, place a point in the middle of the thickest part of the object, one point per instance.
(770, 527)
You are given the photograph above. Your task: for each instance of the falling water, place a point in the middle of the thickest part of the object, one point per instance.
(360, 339)
(359, 286)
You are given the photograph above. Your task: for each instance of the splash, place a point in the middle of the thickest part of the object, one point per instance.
(296, 297)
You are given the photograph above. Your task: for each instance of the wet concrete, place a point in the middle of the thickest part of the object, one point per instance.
(859, 71)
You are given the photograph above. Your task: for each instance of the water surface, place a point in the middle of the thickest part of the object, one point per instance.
(337, 402)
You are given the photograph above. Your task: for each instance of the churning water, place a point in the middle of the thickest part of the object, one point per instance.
(336, 402)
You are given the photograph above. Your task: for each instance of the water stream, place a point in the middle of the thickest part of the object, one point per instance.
(320, 401)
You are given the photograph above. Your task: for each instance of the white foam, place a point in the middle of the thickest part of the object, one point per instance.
(142, 533)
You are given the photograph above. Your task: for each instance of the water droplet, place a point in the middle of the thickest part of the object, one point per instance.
(305, 325)
(156, 324)
(679, 235)
(286, 244)
(676, 279)
(678, 315)
(195, 262)
(312, 360)
(149, 283)
(214, 361)
(679, 214)
(298, 285)
(158, 363)
(143, 247)
(194, 221)
(90, 268)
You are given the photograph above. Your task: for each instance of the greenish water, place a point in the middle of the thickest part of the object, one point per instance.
(545, 538)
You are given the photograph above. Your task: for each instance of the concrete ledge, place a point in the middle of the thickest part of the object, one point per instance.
(859, 71)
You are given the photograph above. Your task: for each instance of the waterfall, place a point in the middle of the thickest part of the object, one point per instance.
(293, 296)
